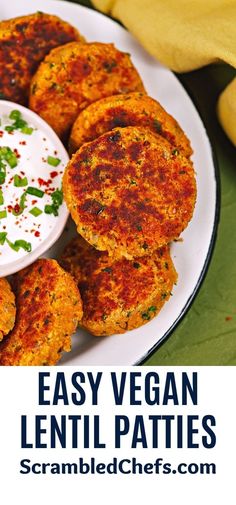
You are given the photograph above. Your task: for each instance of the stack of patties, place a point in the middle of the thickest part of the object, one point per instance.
(130, 185)
(130, 192)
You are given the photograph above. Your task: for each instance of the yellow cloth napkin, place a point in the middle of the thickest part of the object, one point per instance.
(185, 35)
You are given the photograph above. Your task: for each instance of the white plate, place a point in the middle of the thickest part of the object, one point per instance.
(191, 256)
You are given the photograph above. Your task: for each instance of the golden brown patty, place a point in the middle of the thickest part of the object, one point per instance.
(133, 109)
(75, 75)
(48, 311)
(24, 42)
(129, 192)
(118, 295)
(7, 308)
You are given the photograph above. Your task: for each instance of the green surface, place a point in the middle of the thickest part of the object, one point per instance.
(207, 334)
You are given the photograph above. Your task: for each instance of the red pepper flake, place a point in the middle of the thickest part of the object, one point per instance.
(9, 208)
(53, 174)
(42, 182)
(16, 153)
(22, 143)
(228, 318)
(34, 202)
(49, 191)
(1, 133)
(55, 152)
(22, 173)
(37, 234)
(16, 208)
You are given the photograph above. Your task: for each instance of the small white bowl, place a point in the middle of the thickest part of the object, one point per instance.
(51, 226)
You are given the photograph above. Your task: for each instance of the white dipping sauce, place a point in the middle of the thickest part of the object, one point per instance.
(32, 151)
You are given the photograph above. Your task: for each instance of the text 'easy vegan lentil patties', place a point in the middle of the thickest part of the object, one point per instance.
(132, 109)
(74, 75)
(118, 295)
(24, 42)
(49, 308)
(129, 192)
(7, 308)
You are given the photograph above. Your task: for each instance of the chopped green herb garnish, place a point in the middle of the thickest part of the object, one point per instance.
(146, 315)
(175, 152)
(163, 296)
(15, 114)
(152, 309)
(34, 88)
(57, 197)
(20, 182)
(35, 192)
(53, 161)
(51, 209)
(35, 211)
(19, 123)
(3, 214)
(12, 161)
(3, 236)
(109, 65)
(20, 244)
(2, 172)
(9, 128)
(1, 197)
(9, 156)
(57, 200)
(27, 130)
(157, 125)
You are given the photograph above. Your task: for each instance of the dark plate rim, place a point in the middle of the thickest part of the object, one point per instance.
(208, 259)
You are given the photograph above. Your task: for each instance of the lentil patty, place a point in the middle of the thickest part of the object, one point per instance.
(48, 310)
(133, 109)
(129, 192)
(118, 295)
(74, 75)
(24, 42)
(7, 308)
